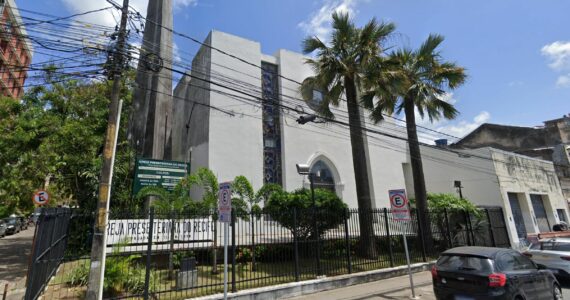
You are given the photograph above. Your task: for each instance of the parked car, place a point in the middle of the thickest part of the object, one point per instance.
(554, 253)
(2, 228)
(12, 225)
(491, 273)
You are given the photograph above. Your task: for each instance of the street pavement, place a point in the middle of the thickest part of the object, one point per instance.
(394, 288)
(14, 255)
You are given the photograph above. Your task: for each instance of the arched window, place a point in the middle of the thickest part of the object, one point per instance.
(323, 176)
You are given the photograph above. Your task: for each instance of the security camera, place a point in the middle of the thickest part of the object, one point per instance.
(303, 169)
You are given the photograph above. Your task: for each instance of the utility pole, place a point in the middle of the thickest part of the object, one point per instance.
(97, 268)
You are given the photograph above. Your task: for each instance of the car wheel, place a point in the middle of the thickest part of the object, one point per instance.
(557, 292)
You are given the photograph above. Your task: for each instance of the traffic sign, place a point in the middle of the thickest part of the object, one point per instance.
(399, 203)
(225, 202)
(40, 197)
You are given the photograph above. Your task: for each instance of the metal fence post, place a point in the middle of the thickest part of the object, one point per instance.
(421, 234)
(253, 241)
(466, 217)
(148, 254)
(296, 244)
(449, 238)
(491, 230)
(389, 237)
(318, 240)
(347, 241)
(233, 224)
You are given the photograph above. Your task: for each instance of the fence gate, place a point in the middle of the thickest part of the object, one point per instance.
(498, 227)
(50, 241)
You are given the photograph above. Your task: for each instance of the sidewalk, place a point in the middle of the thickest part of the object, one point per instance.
(393, 288)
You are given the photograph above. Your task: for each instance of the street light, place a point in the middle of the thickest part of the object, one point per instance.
(304, 169)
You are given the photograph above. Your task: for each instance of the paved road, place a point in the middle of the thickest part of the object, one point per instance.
(393, 288)
(14, 254)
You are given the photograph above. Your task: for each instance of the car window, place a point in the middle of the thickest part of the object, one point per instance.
(464, 263)
(522, 262)
(506, 262)
(542, 246)
(562, 247)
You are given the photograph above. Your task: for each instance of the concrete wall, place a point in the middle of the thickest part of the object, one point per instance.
(236, 142)
(488, 175)
(525, 176)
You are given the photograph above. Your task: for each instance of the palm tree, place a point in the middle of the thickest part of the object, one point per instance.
(339, 69)
(171, 203)
(208, 182)
(413, 80)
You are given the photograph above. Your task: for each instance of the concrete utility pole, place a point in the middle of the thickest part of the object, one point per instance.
(97, 269)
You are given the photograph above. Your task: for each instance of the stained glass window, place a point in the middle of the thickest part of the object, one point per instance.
(271, 125)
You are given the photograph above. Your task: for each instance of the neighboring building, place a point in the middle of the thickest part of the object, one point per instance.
(526, 188)
(233, 134)
(549, 142)
(15, 51)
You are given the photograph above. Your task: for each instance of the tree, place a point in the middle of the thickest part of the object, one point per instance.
(171, 204)
(411, 80)
(330, 211)
(52, 138)
(339, 68)
(244, 201)
(207, 181)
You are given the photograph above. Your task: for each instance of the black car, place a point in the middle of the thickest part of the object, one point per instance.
(491, 273)
(12, 225)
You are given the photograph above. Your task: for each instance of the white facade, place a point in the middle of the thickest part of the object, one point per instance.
(492, 177)
(225, 133)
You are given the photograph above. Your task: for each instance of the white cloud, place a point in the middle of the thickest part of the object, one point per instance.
(178, 4)
(111, 17)
(176, 53)
(108, 17)
(559, 55)
(462, 128)
(319, 23)
(563, 81)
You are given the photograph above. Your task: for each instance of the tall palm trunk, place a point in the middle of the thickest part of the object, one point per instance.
(418, 173)
(360, 160)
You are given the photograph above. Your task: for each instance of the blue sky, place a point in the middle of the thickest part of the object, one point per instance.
(517, 53)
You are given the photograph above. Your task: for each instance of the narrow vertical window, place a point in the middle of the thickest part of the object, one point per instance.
(271, 124)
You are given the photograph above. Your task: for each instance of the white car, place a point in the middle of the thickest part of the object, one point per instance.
(554, 253)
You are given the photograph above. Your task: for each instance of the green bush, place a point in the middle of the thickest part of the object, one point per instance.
(243, 255)
(178, 256)
(79, 276)
(330, 210)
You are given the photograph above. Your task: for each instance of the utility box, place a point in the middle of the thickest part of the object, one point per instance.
(187, 277)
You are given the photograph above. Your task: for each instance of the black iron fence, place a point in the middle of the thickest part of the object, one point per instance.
(177, 255)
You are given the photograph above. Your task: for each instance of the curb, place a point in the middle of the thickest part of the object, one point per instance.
(295, 289)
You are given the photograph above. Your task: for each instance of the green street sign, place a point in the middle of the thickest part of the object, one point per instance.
(163, 173)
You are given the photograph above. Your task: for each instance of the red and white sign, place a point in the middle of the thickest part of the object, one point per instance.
(225, 202)
(400, 205)
(41, 197)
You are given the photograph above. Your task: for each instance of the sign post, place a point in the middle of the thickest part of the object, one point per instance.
(400, 209)
(41, 197)
(225, 216)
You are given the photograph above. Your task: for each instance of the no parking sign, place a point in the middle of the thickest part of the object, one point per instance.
(41, 197)
(399, 205)
(225, 202)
